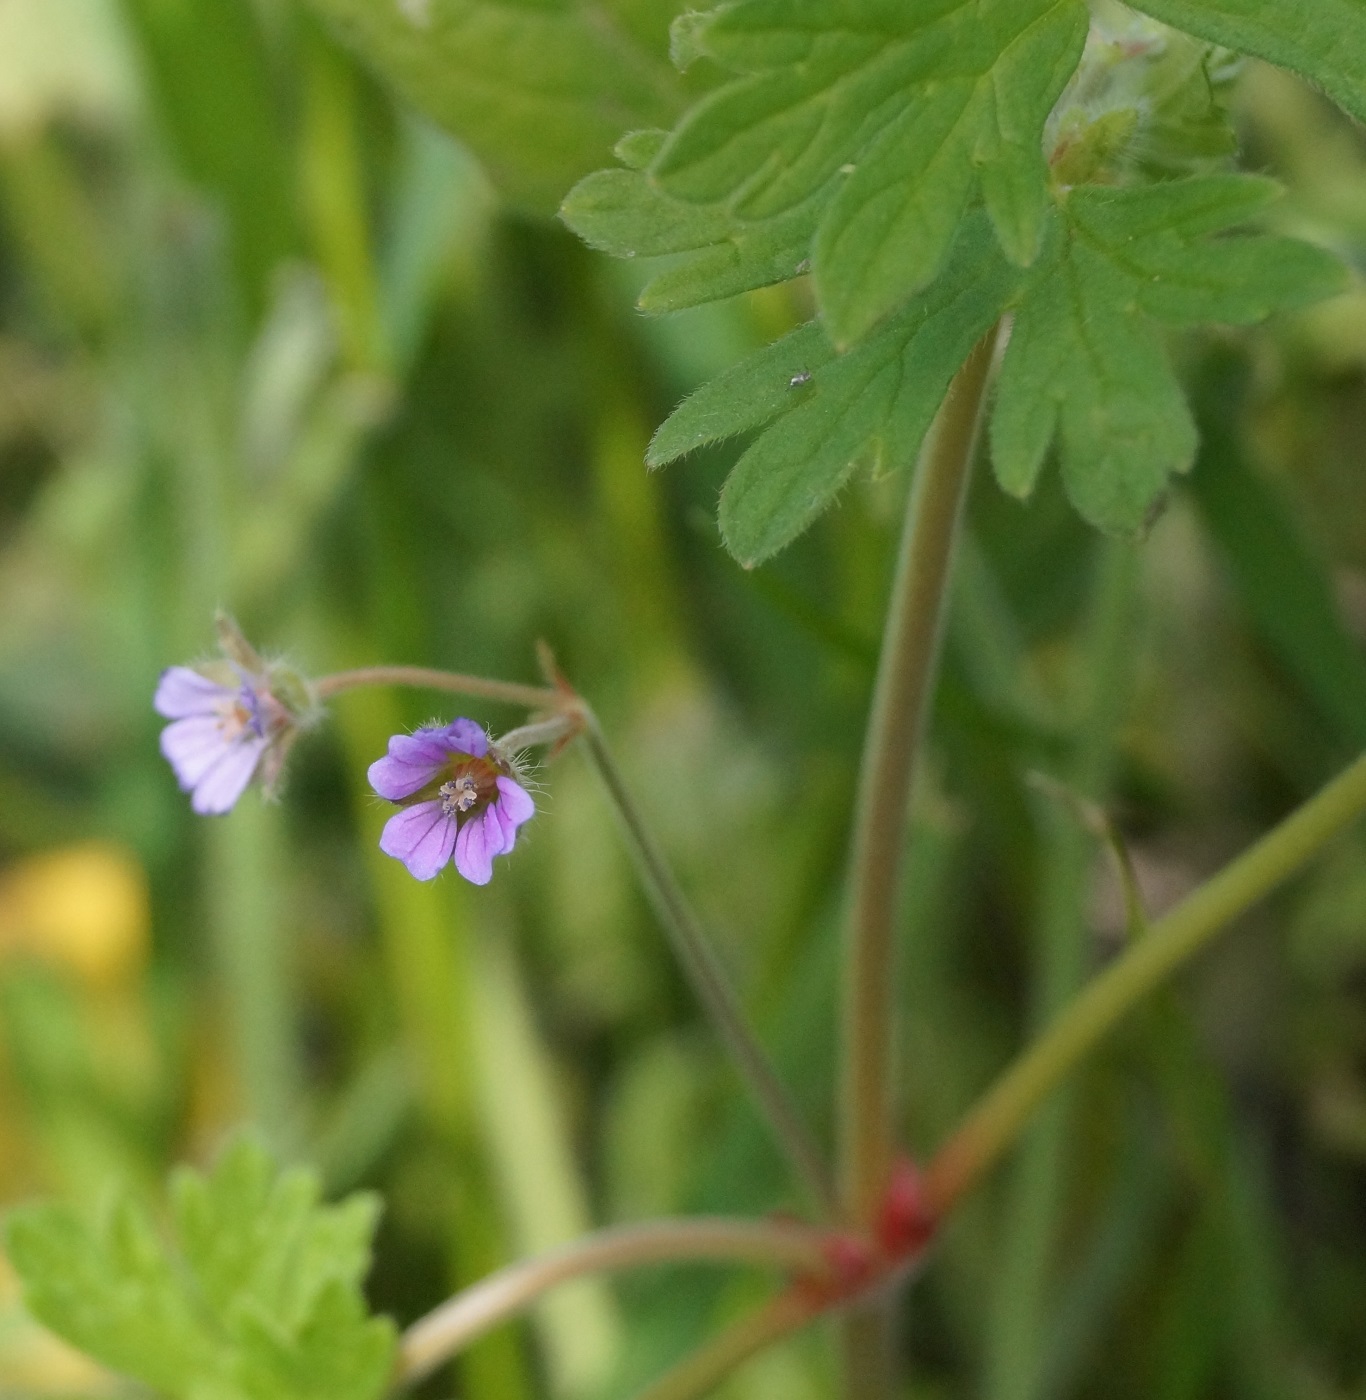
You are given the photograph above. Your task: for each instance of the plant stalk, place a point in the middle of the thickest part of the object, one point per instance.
(708, 979)
(896, 724)
(530, 697)
(997, 1120)
(440, 1335)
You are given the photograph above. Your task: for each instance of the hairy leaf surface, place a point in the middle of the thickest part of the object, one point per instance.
(825, 413)
(260, 1300)
(882, 120)
(1087, 363)
(539, 91)
(625, 213)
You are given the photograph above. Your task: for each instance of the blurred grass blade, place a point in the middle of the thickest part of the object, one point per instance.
(1037, 1188)
(254, 954)
(1281, 583)
(222, 122)
(537, 1175)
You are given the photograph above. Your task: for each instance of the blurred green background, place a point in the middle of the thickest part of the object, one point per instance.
(271, 343)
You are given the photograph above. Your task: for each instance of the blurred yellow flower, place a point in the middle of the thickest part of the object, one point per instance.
(82, 907)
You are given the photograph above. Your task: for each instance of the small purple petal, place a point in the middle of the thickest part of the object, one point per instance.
(473, 858)
(515, 801)
(499, 832)
(192, 746)
(182, 692)
(218, 790)
(465, 736)
(412, 762)
(422, 837)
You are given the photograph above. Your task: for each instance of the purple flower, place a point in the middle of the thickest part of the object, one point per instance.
(460, 799)
(222, 731)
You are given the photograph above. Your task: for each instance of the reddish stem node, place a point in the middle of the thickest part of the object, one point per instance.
(906, 1224)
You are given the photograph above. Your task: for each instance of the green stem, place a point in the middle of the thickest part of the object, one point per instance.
(700, 1373)
(901, 703)
(896, 725)
(501, 1296)
(997, 1120)
(530, 697)
(707, 977)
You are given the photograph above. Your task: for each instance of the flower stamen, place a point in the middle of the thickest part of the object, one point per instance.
(458, 795)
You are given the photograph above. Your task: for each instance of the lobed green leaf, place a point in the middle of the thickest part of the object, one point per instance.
(881, 120)
(624, 213)
(827, 413)
(260, 1301)
(1087, 364)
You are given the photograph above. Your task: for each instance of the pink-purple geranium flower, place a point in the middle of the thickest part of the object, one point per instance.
(224, 726)
(461, 800)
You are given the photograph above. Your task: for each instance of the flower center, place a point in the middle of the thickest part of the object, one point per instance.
(471, 784)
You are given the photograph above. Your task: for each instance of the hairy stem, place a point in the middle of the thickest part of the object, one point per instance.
(530, 697)
(708, 980)
(700, 1373)
(901, 702)
(444, 1332)
(1002, 1113)
(896, 724)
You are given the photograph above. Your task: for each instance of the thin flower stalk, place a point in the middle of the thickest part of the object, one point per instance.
(447, 1330)
(529, 697)
(991, 1127)
(707, 977)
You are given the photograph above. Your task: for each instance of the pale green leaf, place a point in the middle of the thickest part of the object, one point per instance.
(258, 1299)
(1087, 364)
(250, 1235)
(540, 92)
(112, 1293)
(338, 1353)
(1325, 40)
(883, 119)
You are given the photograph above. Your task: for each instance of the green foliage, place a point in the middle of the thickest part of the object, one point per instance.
(1325, 41)
(829, 413)
(856, 135)
(260, 1300)
(540, 92)
(720, 253)
(863, 141)
(1086, 362)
